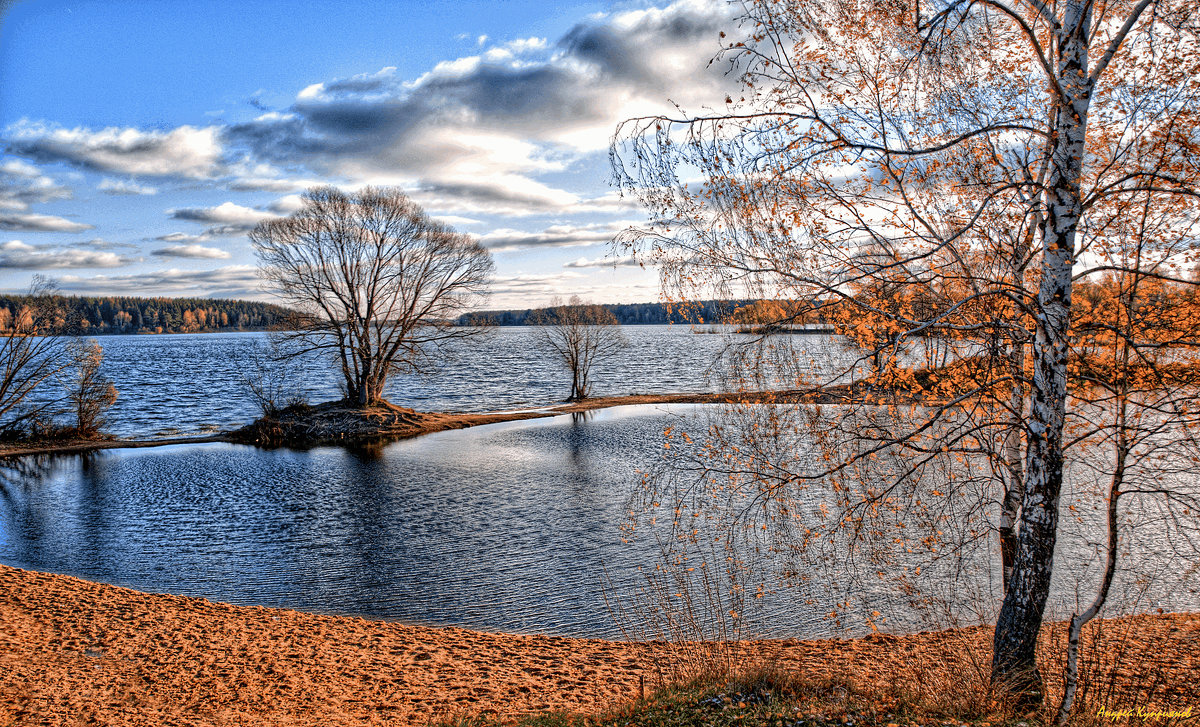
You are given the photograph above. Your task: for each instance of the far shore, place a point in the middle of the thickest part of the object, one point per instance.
(78, 652)
(409, 423)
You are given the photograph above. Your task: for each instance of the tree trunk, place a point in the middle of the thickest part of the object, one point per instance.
(1012, 466)
(1014, 662)
(1071, 682)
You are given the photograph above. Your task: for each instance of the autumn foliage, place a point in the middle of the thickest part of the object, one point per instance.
(997, 204)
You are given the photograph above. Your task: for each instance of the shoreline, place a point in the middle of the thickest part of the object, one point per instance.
(419, 423)
(75, 651)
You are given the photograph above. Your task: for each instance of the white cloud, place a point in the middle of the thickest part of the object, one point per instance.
(97, 243)
(272, 184)
(517, 110)
(18, 168)
(233, 281)
(604, 262)
(29, 222)
(226, 214)
(186, 151)
(23, 185)
(123, 186)
(509, 195)
(456, 221)
(553, 236)
(474, 132)
(183, 237)
(18, 255)
(515, 48)
(192, 251)
(531, 291)
(287, 205)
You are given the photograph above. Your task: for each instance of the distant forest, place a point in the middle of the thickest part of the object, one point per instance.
(706, 311)
(102, 315)
(91, 315)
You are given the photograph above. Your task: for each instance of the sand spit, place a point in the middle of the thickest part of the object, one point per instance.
(75, 652)
(339, 423)
(334, 423)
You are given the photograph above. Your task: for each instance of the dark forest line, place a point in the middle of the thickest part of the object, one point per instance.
(100, 315)
(628, 314)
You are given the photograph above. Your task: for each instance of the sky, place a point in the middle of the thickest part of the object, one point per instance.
(143, 139)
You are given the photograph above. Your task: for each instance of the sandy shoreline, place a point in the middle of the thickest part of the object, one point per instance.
(77, 652)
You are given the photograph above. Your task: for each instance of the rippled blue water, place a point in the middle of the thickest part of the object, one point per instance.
(507, 527)
(194, 383)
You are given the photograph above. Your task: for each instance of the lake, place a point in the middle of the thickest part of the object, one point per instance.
(509, 527)
(194, 383)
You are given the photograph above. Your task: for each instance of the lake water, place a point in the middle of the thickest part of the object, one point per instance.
(194, 383)
(507, 527)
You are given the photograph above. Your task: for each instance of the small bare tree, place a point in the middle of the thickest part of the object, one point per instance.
(378, 283)
(580, 334)
(270, 374)
(89, 392)
(30, 356)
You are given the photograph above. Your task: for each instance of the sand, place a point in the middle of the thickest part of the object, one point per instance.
(74, 652)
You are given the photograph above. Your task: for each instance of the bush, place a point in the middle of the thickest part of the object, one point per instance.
(89, 392)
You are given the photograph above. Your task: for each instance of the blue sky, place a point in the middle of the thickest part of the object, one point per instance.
(142, 139)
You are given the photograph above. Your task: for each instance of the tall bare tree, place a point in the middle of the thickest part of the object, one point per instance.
(378, 283)
(31, 355)
(960, 155)
(580, 334)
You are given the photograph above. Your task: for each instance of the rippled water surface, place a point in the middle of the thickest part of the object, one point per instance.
(194, 383)
(507, 527)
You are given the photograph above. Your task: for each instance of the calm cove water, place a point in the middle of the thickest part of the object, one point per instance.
(507, 527)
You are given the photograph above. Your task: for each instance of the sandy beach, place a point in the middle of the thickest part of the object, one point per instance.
(73, 652)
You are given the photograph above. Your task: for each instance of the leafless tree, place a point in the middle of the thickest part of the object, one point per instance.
(89, 392)
(31, 355)
(580, 334)
(270, 373)
(378, 283)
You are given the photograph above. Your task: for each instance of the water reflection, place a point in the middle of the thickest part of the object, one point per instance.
(504, 527)
(508, 527)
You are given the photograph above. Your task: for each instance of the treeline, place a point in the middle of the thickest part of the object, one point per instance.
(628, 314)
(119, 314)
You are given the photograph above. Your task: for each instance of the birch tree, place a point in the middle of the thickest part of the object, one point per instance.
(959, 152)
